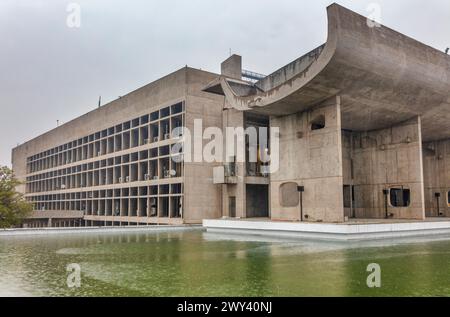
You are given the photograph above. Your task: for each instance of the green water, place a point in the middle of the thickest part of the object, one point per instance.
(196, 263)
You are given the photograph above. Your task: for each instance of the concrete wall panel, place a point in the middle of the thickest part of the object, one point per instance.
(383, 159)
(312, 159)
(436, 158)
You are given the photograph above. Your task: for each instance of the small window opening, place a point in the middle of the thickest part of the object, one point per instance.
(400, 197)
(318, 123)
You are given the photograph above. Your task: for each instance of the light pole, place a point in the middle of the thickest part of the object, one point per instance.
(386, 194)
(301, 190)
(438, 195)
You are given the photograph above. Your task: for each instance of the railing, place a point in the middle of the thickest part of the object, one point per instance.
(230, 169)
(257, 169)
(252, 76)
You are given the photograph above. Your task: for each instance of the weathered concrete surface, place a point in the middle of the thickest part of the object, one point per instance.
(436, 158)
(382, 76)
(394, 94)
(383, 159)
(234, 118)
(312, 159)
(232, 67)
(201, 198)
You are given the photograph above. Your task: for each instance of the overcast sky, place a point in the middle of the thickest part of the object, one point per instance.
(51, 72)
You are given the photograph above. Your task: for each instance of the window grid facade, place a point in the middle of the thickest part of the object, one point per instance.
(145, 183)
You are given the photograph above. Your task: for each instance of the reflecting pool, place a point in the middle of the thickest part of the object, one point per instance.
(198, 263)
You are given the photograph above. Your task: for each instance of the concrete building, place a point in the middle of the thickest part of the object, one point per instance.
(112, 166)
(364, 127)
(363, 133)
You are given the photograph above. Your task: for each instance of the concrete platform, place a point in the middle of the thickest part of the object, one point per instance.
(354, 230)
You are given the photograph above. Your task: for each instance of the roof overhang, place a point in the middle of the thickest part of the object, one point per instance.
(383, 78)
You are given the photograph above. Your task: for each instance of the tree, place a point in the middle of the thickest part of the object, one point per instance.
(13, 206)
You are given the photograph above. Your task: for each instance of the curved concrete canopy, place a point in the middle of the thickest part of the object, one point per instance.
(383, 78)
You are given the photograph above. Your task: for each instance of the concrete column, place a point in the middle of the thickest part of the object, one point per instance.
(436, 157)
(235, 118)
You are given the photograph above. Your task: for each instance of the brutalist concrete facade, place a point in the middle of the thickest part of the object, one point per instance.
(112, 166)
(363, 133)
(364, 126)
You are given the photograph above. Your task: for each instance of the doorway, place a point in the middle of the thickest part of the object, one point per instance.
(257, 201)
(232, 207)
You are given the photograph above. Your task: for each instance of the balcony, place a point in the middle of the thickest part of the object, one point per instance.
(226, 174)
(257, 169)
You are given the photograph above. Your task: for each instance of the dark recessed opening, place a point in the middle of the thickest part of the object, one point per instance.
(318, 123)
(400, 197)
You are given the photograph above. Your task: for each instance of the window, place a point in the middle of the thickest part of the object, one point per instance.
(165, 112)
(400, 197)
(154, 116)
(178, 108)
(448, 198)
(318, 123)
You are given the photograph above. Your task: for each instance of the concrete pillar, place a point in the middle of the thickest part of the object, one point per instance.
(436, 158)
(234, 118)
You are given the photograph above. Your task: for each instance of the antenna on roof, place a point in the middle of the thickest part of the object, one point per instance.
(57, 123)
(99, 101)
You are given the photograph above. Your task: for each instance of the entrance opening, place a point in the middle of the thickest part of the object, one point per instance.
(349, 201)
(232, 207)
(257, 201)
